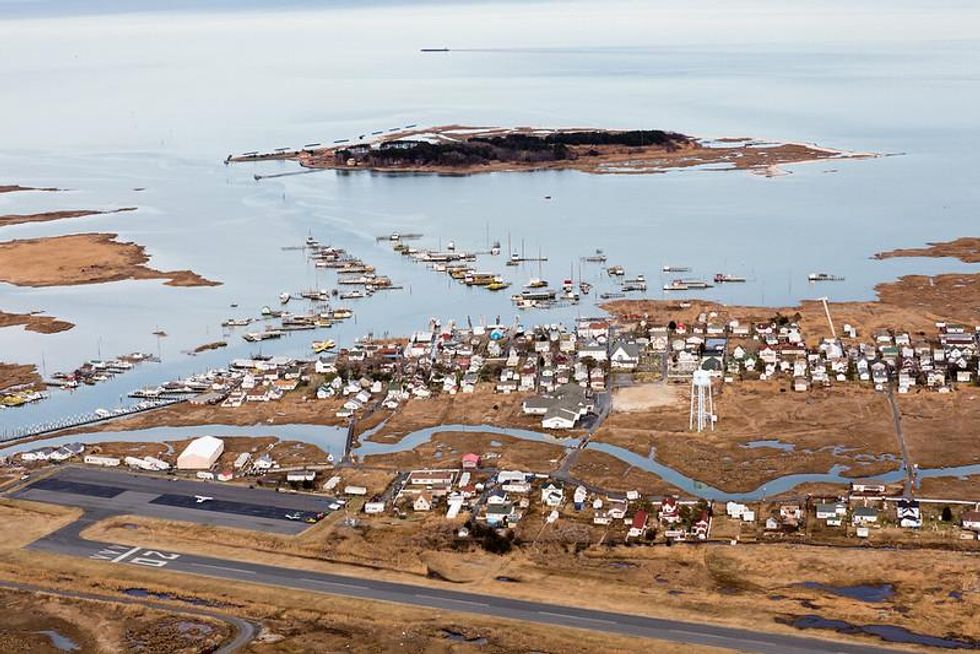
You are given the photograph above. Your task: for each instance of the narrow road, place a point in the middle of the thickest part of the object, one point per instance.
(68, 541)
(906, 460)
(242, 630)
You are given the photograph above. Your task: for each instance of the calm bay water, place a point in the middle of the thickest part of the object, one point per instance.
(108, 103)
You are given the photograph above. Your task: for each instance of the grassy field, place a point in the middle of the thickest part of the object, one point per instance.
(745, 585)
(846, 425)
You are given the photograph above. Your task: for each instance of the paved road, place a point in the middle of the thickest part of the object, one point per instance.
(897, 420)
(243, 631)
(118, 492)
(69, 541)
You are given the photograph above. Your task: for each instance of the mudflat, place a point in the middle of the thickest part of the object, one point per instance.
(83, 259)
(34, 322)
(19, 218)
(966, 249)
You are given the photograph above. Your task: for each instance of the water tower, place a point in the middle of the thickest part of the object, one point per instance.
(702, 401)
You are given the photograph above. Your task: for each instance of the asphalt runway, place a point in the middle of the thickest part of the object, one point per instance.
(118, 492)
(228, 506)
(68, 541)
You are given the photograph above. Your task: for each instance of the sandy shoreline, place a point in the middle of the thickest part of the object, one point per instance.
(727, 154)
(83, 259)
(34, 322)
(17, 219)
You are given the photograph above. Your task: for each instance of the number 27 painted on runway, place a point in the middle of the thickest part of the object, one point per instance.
(154, 559)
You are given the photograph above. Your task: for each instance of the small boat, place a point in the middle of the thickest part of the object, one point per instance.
(353, 295)
(433, 49)
(615, 271)
(585, 287)
(571, 295)
(724, 279)
(323, 346)
(284, 297)
(676, 285)
(497, 285)
(696, 283)
(451, 246)
(611, 296)
(495, 248)
(667, 269)
(394, 236)
(824, 277)
(598, 257)
(341, 314)
(514, 260)
(567, 285)
(536, 282)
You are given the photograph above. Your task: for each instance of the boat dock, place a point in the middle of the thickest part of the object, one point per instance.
(98, 416)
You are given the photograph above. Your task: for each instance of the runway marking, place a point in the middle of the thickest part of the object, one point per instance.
(576, 617)
(450, 599)
(222, 567)
(154, 559)
(334, 583)
(122, 556)
(107, 553)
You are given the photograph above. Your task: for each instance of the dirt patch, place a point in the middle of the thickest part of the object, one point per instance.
(966, 249)
(17, 219)
(82, 259)
(645, 396)
(34, 322)
(848, 426)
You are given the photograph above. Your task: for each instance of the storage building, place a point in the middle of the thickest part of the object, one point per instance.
(201, 454)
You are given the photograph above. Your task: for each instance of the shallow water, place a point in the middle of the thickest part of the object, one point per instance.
(261, 76)
(863, 592)
(59, 641)
(887, 633)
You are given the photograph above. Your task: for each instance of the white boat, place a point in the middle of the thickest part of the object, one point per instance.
(824, 277)
(284, 297)
(353, 295)
(721, 278)
(667, 268)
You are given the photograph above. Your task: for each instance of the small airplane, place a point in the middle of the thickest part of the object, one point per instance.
(201, 499)
(294, 516)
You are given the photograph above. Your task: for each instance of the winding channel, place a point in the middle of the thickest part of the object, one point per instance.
(332, 440)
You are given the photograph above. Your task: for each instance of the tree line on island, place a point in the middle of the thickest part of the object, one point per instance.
(507, 148)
